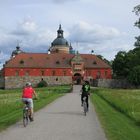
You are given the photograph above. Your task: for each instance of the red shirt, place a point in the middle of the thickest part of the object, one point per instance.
(28, 92)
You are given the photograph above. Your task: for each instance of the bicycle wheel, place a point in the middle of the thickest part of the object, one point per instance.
(85, 107)
(25, 118)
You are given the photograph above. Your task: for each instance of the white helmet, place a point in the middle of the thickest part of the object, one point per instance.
(28, 84)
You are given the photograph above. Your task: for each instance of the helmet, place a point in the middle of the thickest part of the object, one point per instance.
(28, 84)
(86, 82)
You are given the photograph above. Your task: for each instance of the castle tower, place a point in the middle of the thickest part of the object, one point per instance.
(60, 44)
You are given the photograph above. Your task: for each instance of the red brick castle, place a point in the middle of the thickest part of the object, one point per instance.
(60, 65)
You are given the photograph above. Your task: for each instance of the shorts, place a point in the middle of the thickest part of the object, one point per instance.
(30, 101)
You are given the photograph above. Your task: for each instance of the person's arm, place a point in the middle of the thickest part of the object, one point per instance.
(83, 88)
(89, 87)
(34, 93)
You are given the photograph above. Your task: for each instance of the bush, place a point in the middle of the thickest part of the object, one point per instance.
(42, 84)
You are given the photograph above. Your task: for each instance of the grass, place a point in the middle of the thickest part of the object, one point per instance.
(11, 105)
(125, 101)
(117, 125)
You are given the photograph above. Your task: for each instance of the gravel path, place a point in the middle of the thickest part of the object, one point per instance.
(61, 120)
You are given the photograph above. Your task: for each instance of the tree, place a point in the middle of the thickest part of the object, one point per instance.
(127, 64)
(119, 66)
(137, 24)
(134, 76)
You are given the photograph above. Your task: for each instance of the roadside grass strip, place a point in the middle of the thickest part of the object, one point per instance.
(11, 105)
(125, 101)
(118, 111)
(116, 124)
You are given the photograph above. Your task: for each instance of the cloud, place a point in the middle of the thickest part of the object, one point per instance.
(34, 2)
(84, 32)
(32, 38)
(3, 58)
(106, 41)
(63, 1)
(83, 36)
(25, 27)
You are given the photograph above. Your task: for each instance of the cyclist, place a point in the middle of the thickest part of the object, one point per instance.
(27, 95)
(85, 92)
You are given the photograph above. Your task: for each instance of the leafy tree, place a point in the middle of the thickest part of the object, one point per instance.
(127, 64)
(134, 76)
(119, 65)
(137, 24)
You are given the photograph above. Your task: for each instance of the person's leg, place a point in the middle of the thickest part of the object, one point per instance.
(82, 100)
(87, 102)
(31, 109)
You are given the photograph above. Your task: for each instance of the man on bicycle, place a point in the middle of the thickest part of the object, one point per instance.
(27, 95)
(85, 92)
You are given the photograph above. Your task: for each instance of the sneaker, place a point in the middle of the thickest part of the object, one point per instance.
(31, 118)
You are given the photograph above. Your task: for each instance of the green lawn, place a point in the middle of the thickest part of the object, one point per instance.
(113, 108)
(11, 105)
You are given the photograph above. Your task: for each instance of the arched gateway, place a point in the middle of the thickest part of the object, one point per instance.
(77, 78)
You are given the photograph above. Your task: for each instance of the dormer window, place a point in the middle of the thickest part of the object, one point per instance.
(21, 62)
(57, 62)
(94, 62)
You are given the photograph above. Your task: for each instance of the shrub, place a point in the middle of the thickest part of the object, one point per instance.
(42, 84)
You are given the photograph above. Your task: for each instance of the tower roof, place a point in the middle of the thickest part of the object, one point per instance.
(60, 40)
(17, 51)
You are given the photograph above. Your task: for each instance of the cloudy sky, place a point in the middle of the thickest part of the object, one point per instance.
(105, 26)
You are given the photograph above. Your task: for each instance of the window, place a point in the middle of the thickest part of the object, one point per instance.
(27, 73)
(94, 62)
(98, 75)
(64, 72)
(42, 73)
(21, 62)
(53, 73)
(57, 62)
(17, 73)
(30, 58)
(106, 73)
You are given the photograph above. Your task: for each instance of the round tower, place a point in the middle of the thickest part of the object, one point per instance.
(60, 44)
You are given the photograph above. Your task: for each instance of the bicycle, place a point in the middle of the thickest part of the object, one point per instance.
(85, 105)
(26, 114)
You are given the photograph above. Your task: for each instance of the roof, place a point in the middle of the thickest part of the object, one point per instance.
(60, 41)
(44, 60)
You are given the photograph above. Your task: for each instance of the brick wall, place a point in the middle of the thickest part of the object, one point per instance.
(19, 81)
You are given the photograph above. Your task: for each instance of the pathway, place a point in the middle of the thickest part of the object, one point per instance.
(61, 120)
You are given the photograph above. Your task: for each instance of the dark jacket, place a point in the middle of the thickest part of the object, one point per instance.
(85, 89)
